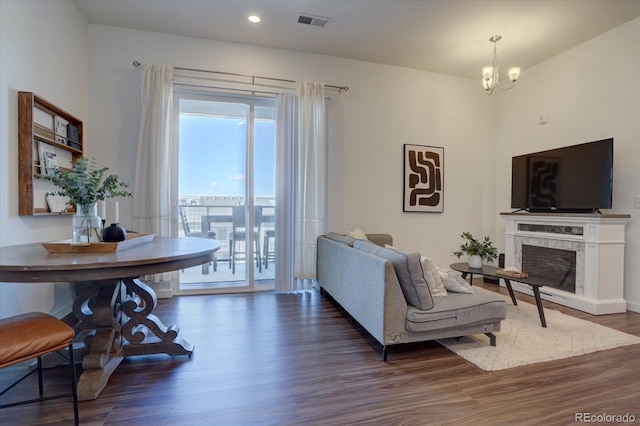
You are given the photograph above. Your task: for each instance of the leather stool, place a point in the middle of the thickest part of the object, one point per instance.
(33, 335)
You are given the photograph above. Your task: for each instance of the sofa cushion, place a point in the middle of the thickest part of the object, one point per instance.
(408, 270)
(341, 238)
(457, 309)
(432, 277)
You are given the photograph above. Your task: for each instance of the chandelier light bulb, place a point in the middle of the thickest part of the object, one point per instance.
(487, 72)
(514, 73)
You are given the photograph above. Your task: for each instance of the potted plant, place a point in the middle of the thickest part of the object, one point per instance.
(477, 250)
(84, 185)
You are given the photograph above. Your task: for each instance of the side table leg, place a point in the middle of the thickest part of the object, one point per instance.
(536, 293)
(513, 297)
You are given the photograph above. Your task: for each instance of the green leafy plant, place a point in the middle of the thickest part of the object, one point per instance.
(85, 183)
(485, 249)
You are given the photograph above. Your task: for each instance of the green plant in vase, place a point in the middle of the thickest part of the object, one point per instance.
(84, 185)
(477, 250)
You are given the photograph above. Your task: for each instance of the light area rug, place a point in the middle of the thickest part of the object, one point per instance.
(522, 340)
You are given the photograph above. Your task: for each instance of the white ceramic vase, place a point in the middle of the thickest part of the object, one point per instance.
(475, 261)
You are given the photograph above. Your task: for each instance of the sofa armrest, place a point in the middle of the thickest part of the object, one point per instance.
(366, 286)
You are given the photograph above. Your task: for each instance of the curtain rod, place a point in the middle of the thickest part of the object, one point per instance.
(253, 77)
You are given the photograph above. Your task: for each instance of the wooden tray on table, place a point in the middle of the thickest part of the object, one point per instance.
(65, 246)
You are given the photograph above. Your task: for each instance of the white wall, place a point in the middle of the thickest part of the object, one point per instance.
(385, 108)
(590, 92)
(43, 49)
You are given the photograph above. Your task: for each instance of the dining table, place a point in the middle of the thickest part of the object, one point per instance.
(114, 311)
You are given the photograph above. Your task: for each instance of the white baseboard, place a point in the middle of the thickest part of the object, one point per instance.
(633, 306)
(591, 306)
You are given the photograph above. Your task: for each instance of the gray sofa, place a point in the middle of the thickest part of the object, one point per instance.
(367, 287)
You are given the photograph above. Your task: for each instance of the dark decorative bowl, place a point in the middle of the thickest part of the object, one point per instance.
(114, 233)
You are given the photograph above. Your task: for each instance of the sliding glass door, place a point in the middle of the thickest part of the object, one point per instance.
(226, 182)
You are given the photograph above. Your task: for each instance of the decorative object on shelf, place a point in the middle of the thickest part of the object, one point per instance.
(423, 179)
(48, 159)
(86, 224)
(60, 126)
(56, 203)
(84, 185)
(73, 137)
(491, 74)
(478, 251)
(114, 233)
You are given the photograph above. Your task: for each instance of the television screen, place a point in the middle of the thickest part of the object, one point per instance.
(577, 178)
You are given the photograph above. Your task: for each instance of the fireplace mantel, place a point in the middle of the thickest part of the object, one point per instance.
(597, 239)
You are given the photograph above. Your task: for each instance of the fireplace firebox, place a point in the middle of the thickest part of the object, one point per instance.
(552, 265)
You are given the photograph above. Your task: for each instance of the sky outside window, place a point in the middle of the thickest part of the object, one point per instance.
(213, 152)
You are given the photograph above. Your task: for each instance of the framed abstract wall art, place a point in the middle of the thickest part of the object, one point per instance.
(423, 179)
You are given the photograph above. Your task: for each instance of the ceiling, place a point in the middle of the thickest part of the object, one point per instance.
(443, 36)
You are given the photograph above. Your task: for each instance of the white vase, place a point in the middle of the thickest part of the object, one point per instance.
(475, 261)
(87, 226)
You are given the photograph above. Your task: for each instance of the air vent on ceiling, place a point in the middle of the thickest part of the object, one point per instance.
(316, 21)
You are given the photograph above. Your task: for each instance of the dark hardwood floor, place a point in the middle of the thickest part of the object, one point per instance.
(297, 359)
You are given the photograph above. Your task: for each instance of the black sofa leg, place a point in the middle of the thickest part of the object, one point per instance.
(385, 349)
(492, 338)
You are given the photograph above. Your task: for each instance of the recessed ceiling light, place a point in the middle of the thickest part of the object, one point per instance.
(254, 18)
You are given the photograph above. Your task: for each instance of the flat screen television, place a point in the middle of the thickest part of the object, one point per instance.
(572, 179)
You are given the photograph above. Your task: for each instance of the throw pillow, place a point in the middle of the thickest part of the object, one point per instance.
(454, 282)
(431, 275)
(357, 234)
(408, 270)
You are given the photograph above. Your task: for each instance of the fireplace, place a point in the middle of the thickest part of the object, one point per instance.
(552, 265)
(580, 257)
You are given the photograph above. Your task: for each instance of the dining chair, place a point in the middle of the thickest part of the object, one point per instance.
(32, 335)
(268, 250)
(239, 235)
(202, 234)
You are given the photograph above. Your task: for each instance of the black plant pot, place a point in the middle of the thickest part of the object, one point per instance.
(114, 233)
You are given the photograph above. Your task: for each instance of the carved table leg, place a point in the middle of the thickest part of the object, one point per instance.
(117, 316)
(98, 308)
(140, 322)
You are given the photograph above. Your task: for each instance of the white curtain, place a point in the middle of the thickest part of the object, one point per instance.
(286, 137)
(152, 188)
(152, 195)
(301, 131)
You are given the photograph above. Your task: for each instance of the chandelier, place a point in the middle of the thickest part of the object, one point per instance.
(491, 75)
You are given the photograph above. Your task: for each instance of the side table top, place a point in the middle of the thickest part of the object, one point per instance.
(464, 267)
(490, 271)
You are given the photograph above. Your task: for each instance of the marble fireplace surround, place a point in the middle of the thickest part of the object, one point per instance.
(597, 240)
